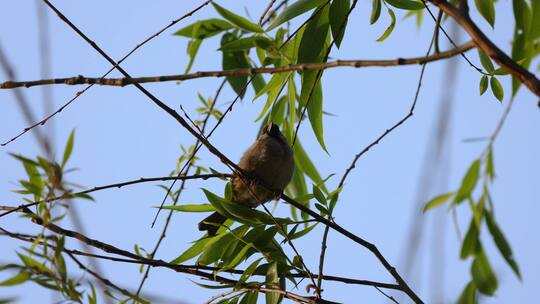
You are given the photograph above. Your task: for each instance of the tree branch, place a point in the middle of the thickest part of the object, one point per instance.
(238, 170)
(78, 80)
(462, 17)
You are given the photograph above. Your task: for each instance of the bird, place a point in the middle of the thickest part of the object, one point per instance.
(270, 160)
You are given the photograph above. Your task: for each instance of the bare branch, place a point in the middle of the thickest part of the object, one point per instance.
(116, 185)
(78, 80)
(462, 17)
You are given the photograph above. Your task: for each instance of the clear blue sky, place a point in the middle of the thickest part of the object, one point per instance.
(121, 135)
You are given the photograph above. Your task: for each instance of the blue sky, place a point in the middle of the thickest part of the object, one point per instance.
(121, 135)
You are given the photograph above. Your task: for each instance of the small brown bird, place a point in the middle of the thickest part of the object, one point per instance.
(270, 159)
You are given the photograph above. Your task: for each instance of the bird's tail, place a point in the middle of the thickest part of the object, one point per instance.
(212, 223)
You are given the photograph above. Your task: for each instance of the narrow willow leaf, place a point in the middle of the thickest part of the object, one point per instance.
(502, 243)
(497, 89)
(438, 200)
(302, 232)
(487, 10)
(192, 251)
(69, 148)
(192, 50)
(338, 19)
(313, 40)
(483, 84)
(291, 98)
(17, 279)
(390, 28)
(249, 270)
(237, 20)
(483, 276)
(375, 11)
(468, 295)
(522, 15)
(235, 60)
(272, 281)
(295, 9)
(471, 244)
(250, 298)
(274, 87)
(204, 28)
(406, 4)
(535, 19)
(302, 161)
(314, 106)
(246, 43)
(490, 167)
(486, 62)
(317, 193)
(190, 208)
(468, 183)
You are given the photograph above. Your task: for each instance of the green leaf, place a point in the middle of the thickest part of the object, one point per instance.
(502, 243)
(487, 10)
(483, 84)
(246, 43)
(237, 20)
(471, 244)
(235, 60)
(314, 104)
(302, 232)
(535, 20)
(489, 163)
(17, 279)
(217, 246)
(522, 15)
(192, 251)
(438, 200)
(375, 11)
(406, 4)
(468, 183)
(69, 148)
(302, 161)
(192, 50)
(338, 19)
(468, 295)
(204, 28)
(293, 10)
(390, 28)
(190, 208)
(272, 281)
(486, 62)
(249, 270)
(319, 195)
(250, 298)
(273, 88)
(483, 275)
(313, 40)
(497, 88)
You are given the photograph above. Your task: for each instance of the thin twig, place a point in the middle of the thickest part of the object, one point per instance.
(268, 7)
(116, 185)
(79, 93)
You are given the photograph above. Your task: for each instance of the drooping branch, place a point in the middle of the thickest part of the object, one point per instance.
(78, 80)
(461, 16)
